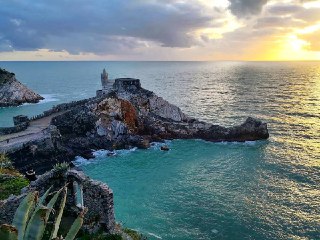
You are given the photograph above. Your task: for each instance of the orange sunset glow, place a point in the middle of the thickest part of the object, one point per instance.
(270, 30)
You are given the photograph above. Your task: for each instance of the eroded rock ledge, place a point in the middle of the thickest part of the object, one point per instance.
(122, 119)
(13, 92)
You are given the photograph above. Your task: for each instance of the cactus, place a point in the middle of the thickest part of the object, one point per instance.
(25, 227)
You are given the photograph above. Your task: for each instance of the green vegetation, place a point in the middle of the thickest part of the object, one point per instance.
(5, 162)
(60, 169)
(11, 185)
(11, 181)
(31, 217)
(5, 76)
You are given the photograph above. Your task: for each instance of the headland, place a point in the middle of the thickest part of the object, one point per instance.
(121, 115)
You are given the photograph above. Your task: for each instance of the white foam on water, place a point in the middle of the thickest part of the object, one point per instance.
(48, 98)
(80, 161)
(158, 145)
(154, 235)
(101, 154)
(215, 231)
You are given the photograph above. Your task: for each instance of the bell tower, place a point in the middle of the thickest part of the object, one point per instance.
(104, 78)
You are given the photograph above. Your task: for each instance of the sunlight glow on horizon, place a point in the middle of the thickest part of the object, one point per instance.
(279, 30)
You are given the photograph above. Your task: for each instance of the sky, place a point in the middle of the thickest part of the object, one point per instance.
(185, 30)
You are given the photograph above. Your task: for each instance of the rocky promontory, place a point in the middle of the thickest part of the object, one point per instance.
(13, 92)
(127, 116)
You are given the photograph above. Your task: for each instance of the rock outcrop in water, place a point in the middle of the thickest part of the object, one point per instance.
(14, 93)
(122, 119)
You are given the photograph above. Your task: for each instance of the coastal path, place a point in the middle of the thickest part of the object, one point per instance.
(33, 132)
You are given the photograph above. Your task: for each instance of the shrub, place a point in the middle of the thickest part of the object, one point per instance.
(5, 162)
(11, 185)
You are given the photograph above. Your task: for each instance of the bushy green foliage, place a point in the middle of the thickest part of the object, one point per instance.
(11, 181)
(5, 162)
(11, 185)
(61, 167)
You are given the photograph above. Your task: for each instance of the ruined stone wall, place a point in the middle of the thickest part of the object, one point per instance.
(98, 198)
(15, 129)
(61, 107)
(126, 84)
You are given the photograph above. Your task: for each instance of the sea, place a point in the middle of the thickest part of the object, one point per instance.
(201, 190)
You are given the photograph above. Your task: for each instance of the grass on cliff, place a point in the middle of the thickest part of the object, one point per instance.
(11, 185)
(11, 181)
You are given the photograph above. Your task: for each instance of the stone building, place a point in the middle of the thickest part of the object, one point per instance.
(118, 84)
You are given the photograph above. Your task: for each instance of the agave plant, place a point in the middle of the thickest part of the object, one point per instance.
(32, 215)
(60, 169)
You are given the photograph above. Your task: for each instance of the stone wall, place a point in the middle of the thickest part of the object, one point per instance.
(126, 84)
(98, 198)
(61, 107)
(14, 129)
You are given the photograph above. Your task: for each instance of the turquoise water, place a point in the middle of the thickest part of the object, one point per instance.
(200, 190)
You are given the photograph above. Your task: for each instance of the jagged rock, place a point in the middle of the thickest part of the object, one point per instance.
(124, 119)
(164, 148)
(14, 93)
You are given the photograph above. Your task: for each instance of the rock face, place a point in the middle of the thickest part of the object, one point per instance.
(14, 93)
(123, 119)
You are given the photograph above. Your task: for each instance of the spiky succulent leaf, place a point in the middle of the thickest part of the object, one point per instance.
(59, 216)
(44, 196)
(8, 232)
(75, 228)
(37, 224)
(23, 213)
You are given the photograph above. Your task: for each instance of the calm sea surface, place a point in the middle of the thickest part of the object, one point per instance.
(201, 190)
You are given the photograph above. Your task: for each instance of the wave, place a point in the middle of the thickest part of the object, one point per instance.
(101, 154)
(80, 161)
(154, 235)
(158, 145)
(48, 98)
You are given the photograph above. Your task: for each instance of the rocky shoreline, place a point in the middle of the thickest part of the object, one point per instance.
(13, 92)
(121, 119)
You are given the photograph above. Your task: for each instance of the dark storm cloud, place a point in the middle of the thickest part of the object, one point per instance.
(99, 26)
(243, 8)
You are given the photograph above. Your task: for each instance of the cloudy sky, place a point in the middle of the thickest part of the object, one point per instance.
(160, 30)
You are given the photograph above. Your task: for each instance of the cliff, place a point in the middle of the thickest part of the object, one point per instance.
(124, 119)
(13, 92)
